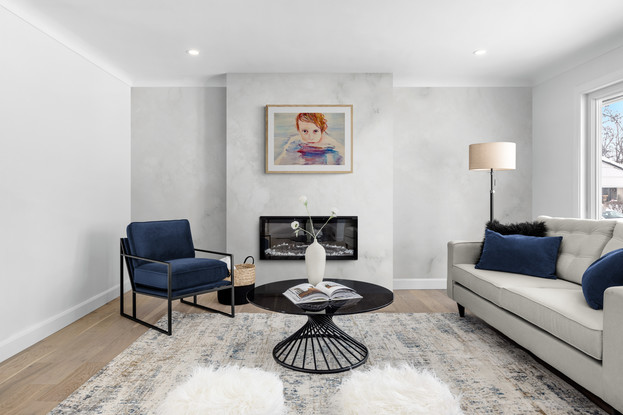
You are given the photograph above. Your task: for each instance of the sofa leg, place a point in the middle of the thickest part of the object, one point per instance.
(461, 310)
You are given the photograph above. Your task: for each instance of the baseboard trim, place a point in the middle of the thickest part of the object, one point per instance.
(37, 332)
(419, 283)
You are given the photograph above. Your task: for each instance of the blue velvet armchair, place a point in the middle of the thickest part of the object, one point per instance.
(161, 262)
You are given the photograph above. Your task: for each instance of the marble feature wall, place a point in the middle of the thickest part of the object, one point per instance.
(178, 159)
(199, 153)
(366, 193)
(436, 198)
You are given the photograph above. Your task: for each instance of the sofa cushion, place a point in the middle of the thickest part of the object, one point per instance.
(583, 241)
(604, 273)
(489, 284)
(617, 238)
(561, 312)
(520, 254)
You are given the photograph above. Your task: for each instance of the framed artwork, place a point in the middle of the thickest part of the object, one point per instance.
(309, 139)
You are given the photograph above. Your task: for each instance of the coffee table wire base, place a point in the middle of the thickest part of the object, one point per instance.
(320, 347)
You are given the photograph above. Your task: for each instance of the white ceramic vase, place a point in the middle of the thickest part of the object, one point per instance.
(315, 261)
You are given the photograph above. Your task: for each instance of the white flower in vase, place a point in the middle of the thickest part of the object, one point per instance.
(315, 255)
(314, 234)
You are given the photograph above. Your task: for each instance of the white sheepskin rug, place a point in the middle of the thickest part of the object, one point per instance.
(230, 390)
(402, 390)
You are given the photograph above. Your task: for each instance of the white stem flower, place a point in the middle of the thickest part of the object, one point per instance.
(297, 228)
(314, 234)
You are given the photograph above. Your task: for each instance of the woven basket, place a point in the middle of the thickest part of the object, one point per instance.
(244, 276)
(244, 273)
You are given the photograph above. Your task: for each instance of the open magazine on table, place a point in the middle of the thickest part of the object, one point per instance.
(321, 292)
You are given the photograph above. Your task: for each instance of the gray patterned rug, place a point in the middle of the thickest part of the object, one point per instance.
(491, 375)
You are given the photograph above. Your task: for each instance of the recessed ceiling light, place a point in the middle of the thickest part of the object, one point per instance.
(480, 52)
(193, 52)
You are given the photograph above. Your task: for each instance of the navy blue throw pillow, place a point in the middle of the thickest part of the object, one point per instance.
(529, 255)
(536, 228)
(606, 272)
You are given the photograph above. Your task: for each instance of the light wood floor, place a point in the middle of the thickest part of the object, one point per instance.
(37, 379)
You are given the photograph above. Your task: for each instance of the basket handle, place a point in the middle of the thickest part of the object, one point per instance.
(252, 259)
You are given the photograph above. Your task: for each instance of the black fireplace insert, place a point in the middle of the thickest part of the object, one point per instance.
(279, 241)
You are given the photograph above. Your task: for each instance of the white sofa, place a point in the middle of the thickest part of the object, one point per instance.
(551, 317)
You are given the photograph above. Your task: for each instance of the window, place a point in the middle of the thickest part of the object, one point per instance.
(612, 158)
(606, 153)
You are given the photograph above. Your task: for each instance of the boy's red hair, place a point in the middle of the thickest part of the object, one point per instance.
(316, 118)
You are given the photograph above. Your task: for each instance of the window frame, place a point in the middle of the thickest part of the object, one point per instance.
(596, 100)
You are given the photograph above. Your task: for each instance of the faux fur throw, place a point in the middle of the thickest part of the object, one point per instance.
(403, 390)
(536, 228)
(229, 390)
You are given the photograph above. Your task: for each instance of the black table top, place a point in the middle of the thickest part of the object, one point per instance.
(270, 297)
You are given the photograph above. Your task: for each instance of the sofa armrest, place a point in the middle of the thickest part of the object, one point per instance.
(460, 252)
(613, 347)
(463, 252)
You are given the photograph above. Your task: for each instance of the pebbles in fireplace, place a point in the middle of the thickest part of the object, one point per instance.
(278, 241)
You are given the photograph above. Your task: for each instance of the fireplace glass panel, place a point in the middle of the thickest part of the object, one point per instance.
(278, 239)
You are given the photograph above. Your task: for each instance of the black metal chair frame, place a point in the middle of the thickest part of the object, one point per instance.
(169, 297)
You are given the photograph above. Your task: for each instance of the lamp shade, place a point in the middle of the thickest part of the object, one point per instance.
(492, 156)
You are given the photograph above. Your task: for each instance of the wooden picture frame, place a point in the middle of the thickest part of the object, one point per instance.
(309, 138)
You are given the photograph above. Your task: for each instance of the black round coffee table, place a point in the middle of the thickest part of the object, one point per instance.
(320, 346)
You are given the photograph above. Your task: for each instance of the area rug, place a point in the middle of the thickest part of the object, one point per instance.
(487, 372)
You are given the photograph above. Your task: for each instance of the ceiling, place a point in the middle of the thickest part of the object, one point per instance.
(421, 42)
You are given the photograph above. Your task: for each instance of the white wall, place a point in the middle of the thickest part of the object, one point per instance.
(64, 184)
(366, 193)
(436, 197)
(178, 159)
(557, 142)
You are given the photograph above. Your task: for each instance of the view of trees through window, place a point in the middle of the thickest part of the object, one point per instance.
(612, 158)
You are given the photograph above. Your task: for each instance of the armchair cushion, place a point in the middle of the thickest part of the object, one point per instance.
(184, 292)
(185, 273)
(160, 240)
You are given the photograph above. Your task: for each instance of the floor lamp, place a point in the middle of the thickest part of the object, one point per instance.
(492, 156)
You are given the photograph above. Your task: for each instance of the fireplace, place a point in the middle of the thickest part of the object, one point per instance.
(278, 241)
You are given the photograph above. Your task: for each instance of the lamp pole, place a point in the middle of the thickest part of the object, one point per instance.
(491, 193)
